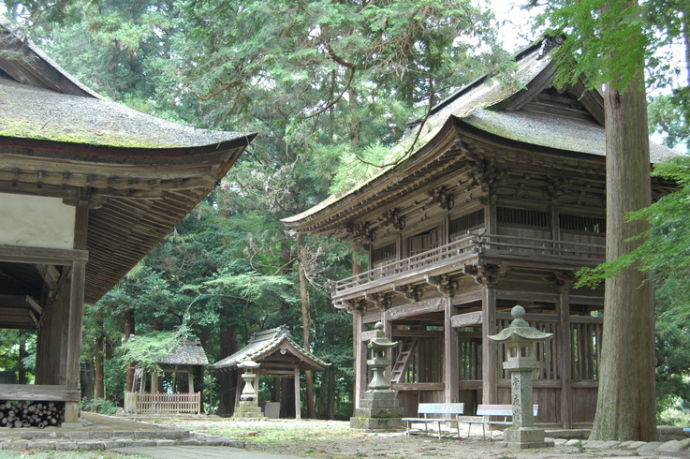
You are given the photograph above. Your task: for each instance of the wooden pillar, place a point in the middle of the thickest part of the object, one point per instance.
(240, 386)
(298, 403)
(450, 355)
(388, 330)
(76, 311)
(564, 357)
(360, 357)
(489, 358)
(190, 381)
(154, 382)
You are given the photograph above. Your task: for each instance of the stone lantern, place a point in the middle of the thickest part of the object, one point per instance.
(521, 362)
(249, 399)
(379, 409)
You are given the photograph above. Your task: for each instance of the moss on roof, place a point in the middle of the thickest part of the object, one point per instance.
(33, 113)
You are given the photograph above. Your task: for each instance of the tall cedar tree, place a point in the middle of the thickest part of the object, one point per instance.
(606, 38)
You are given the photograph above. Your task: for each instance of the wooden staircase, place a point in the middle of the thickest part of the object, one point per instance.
(403, 360)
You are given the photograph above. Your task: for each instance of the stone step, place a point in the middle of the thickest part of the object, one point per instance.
(58, 434)
(90, 444)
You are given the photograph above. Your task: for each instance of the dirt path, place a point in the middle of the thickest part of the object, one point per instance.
(335, 440)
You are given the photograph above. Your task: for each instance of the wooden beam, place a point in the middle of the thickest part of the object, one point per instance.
(521, 295)
(41, 255)
(298, 402)
(417, 333)
(360, 358)
(43, 392)
(37, 308)
(414, 309)
(467, 319)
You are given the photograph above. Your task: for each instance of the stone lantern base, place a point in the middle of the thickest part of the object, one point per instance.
(379, 410)
(248, 409)
(525, 437)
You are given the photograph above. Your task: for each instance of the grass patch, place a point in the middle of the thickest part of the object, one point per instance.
(267, 434)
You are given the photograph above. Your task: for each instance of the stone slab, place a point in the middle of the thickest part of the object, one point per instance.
(632, 444)
(197, 452)
(674, 446)
(649, 446)
(601, 444)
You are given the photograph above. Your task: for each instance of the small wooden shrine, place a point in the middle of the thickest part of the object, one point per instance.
(184, 364)
(501, 202)
(87, 188)
(277, 355)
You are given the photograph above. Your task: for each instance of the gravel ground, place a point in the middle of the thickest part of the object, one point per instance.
(335, 440)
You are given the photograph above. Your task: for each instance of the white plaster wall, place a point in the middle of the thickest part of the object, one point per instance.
(36, 221)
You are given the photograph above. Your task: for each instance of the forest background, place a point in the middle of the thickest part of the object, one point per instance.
(329, 86)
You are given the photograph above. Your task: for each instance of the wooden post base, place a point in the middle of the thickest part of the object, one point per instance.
(71, 412)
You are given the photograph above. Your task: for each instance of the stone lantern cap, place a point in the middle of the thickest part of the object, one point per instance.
(380, 340)
(519, 330)
(248, 364)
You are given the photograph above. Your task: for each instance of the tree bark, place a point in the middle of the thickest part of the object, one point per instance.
(129, 331)
(626, 404)
(227, 378)
(22, 355)
(99, 383)
(306, 323)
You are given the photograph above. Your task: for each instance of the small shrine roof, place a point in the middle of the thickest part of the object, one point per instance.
(187, 353)
(266, 343)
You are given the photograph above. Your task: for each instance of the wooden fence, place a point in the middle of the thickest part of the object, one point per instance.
(139, 403)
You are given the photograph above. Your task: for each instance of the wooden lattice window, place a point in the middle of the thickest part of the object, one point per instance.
(582, 224)
(523, 217)
(383, 254)
(466, 222)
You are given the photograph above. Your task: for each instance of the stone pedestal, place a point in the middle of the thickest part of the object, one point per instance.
(248, 409)
(379, 410)
(525, 437)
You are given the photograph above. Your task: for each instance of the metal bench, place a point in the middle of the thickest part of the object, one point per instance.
(437, 409)
(505, 411)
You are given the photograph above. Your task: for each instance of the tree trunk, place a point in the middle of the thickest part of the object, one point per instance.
(22, 355)
(227, 378)
(99, 383)
(626, 406)
(129, 331)
(306, 323)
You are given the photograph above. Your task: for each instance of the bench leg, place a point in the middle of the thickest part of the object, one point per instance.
(469, 426)
(457, 420)
(407, 428)
(484, 431)
(439, 430)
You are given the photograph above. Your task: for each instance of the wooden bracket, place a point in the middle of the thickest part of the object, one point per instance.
(443, 197)
(563, 280)
(486, 274)
(382, 301)
(392, 217)
(443, 283)
(363, 232)
(411, 292)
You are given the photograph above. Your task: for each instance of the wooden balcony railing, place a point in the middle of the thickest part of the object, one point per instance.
(472, 245)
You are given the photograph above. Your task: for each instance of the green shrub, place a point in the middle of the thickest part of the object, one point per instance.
(98, 405)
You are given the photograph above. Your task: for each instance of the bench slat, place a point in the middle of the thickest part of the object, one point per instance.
(500, 410)
(441, 408)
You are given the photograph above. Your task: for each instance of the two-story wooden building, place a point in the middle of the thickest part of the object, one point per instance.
(501, 203)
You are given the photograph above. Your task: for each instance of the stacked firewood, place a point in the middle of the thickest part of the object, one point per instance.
(31, 414)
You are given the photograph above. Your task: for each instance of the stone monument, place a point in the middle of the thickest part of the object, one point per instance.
(521, 362)
(378, 409)
(249, 399)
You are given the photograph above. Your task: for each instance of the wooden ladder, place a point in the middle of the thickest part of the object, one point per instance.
(403, 360)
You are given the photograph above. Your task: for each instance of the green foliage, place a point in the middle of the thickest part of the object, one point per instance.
(98, 405)
(146, 351)
(665, 255)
